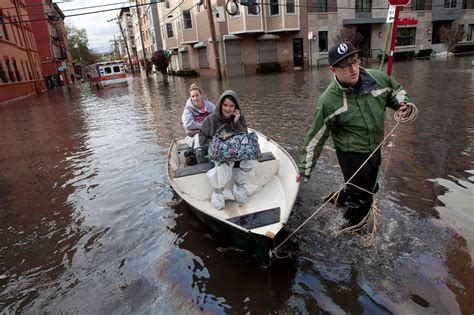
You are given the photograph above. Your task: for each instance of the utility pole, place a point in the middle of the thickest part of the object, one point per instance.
(145, 63)
(214, 40)
(117, 49)
(126, 44)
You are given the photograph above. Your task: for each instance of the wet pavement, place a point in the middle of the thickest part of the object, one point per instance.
(89, 223)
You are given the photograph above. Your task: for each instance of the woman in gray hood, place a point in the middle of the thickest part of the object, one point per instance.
(226, 120)
(227, 116)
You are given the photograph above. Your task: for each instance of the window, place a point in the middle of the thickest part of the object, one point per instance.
(406, 36)
(10, 72)
(450, 3)
(322, 5)
(290, 6)
(3, 74)
(107, 70)
(29, 72)
(417, 4)
(323, 41)
(116, 68)
(274, 7)
(169, 30)
(23, 69)
(19, 35)
(17, 73)
(470, 32)
(167, 4)
(187, 22)
(249, 10)
(202, 54)
(3, 31)
(468, 4)
(363, 5)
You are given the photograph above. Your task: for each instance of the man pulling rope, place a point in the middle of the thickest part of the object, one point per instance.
(352, 111)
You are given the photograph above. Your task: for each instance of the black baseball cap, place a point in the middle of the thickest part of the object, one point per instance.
(340, 51)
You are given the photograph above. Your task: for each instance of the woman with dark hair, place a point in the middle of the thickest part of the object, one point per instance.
(224, 123)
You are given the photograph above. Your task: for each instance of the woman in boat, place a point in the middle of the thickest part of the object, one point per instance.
(225, 122)
(195, 111)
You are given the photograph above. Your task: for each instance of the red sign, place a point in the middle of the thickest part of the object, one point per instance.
(408, 21)
(398, 2)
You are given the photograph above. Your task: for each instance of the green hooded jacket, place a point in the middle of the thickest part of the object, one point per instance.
(355, 119)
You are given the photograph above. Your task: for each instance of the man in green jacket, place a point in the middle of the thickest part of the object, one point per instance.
(352, 111)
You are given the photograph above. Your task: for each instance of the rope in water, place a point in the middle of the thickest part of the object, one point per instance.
(374, 214)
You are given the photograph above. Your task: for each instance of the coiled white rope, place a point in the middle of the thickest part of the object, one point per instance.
(374, 214)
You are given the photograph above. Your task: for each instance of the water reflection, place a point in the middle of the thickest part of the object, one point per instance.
(87, 213)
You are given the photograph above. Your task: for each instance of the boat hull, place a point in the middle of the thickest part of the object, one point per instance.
(252, 226)
(256, 244)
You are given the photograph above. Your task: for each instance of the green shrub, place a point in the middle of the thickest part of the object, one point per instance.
(269, 67)
(403, 55)
(185, 73)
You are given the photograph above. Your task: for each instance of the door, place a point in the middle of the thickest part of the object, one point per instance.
(267, 51)
(233, 57)
(365, 31)
(298, 61)
(185, 60)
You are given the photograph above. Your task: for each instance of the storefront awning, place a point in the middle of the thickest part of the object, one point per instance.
(231, 37)
(200, 45)
(268, 37)
(363, 21)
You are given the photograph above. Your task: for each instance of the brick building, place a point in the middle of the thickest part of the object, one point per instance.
(20, 71)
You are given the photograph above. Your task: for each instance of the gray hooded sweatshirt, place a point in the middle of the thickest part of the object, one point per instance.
(215, 122)
(192, 118)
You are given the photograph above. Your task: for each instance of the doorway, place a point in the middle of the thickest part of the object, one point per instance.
(365, 31)
(298, 61)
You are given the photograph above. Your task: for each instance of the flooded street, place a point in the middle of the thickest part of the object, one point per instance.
(89, 223)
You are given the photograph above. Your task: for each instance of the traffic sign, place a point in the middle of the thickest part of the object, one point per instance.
(398, 2)
(391, 14)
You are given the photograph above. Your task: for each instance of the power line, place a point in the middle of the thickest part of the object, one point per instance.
(150, 3)
(78, 14)
(46, 4)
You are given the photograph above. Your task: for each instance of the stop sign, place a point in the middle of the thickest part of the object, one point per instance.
(398, 2)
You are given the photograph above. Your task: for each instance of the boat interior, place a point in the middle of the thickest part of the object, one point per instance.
(268, 205)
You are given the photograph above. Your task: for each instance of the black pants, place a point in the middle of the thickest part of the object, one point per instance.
(358, 201)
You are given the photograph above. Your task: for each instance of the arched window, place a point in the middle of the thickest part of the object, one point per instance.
(3, 31)
(3, 74)
(17, 73)
(9, 69)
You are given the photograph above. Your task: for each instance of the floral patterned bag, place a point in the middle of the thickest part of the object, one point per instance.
(238, 147)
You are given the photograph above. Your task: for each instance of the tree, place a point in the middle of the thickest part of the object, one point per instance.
(79, 46)
(160, 61)
(450, 35)
(349, 34)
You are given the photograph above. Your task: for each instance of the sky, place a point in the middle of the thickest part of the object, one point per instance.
(99, 31)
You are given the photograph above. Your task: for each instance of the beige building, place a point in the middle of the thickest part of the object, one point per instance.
(247, 41)
(288, 32)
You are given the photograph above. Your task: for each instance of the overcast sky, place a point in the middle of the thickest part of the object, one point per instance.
(99, 31)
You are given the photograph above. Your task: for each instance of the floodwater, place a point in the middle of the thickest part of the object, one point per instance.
(89, 223)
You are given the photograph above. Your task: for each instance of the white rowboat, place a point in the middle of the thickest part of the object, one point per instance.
(252, 226)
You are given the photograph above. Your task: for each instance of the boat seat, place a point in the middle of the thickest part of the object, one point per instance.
(257, 219)
(203, 168)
